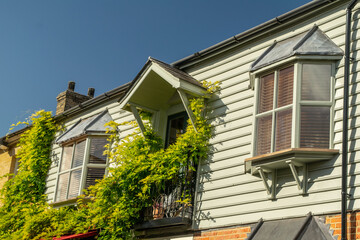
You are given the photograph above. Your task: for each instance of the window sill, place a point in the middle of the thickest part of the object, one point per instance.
(68, 202)
(278, 160)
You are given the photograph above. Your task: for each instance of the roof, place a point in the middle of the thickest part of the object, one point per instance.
(257, 31)
(313, 42)
(305, 228)
(92, 125)
(176, 72)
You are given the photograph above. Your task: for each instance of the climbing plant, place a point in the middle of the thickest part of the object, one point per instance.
(139, 165)
(23, 195)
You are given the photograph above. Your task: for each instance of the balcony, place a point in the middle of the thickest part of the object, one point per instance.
(172, 207)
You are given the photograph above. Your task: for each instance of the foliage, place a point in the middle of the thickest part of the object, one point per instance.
(24, 194)
(140, 167)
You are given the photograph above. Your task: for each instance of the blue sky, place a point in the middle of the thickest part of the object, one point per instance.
(103, 44)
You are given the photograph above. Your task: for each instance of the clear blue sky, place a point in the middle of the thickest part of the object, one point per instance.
(104, 43)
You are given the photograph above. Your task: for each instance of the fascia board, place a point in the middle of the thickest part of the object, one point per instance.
(173, 81)
(192, 89)
(124, 101)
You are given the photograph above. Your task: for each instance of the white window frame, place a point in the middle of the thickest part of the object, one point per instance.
(296, 104)
(84, 166)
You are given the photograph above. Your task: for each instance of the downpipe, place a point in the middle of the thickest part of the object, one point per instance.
(344, 194)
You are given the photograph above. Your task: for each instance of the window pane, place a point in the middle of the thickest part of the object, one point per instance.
(177, 127)
(79, 154)
(283, 130)
(66, 158)
(93, 174)
(266, 93)
(62, 187)
(315, 83)
(96, 151)
(285, 86)
(264, 125)
(74, 183)
(315, 127)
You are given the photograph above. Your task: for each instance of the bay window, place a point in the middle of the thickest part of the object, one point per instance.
(81, 165)
(294, 105)
(82, 160)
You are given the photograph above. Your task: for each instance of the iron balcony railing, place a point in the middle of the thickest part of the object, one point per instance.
(175, 198)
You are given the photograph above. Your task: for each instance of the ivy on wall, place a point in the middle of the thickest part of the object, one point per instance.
(140, 166)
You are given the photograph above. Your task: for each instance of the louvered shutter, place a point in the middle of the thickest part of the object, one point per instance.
(93, 174)
(63, 181)
(74, 186)
(79, 154)
(285, 87)
(315, 127)
(264, 135)
(283, 129)
(66, 158)
(266, 94)
(97, 148)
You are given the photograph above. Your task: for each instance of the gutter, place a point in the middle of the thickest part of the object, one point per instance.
(344, 194)
(235, 40)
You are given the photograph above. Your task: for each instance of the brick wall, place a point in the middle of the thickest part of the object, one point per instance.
(5, 166)
(239, 233)
(353, 225)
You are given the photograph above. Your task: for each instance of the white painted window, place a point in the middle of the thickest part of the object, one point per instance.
(82, 163)
(294, 107)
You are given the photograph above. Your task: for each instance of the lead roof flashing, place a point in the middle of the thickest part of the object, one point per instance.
(313, 42)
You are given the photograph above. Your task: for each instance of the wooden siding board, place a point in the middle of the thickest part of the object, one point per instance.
(223, 181)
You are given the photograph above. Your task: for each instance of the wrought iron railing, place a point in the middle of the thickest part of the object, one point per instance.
(176, 197)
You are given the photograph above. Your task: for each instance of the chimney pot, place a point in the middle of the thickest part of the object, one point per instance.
(71, 86)
(91, 92)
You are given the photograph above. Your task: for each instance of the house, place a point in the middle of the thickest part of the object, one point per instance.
(285, 152)
(8, 161)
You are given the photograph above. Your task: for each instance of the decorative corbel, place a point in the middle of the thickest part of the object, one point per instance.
(270, 190)
(138, 118)
(186, 104)
(302, 185)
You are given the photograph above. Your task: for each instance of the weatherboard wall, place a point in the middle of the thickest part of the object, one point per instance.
(229, 196)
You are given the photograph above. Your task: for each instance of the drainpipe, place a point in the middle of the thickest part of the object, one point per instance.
(345, 121)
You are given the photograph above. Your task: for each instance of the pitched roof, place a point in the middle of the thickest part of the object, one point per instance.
(313, 42)
(94, 124)
(176, 72)
(305, 228)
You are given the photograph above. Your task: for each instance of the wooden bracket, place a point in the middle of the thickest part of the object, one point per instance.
(186, 104)
(302, 185)
(270, 190)
(138, 118)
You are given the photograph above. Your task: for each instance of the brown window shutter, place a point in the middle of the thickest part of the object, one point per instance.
(266, 94)
(283, 130)
(263, 139)
(315, 127)
(285, 86)
(97, 148)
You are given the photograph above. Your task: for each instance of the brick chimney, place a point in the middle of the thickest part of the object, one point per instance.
(69, 98)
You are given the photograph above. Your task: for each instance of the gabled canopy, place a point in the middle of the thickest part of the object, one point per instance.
(156, 85)
(313, 42)
(92, 125)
